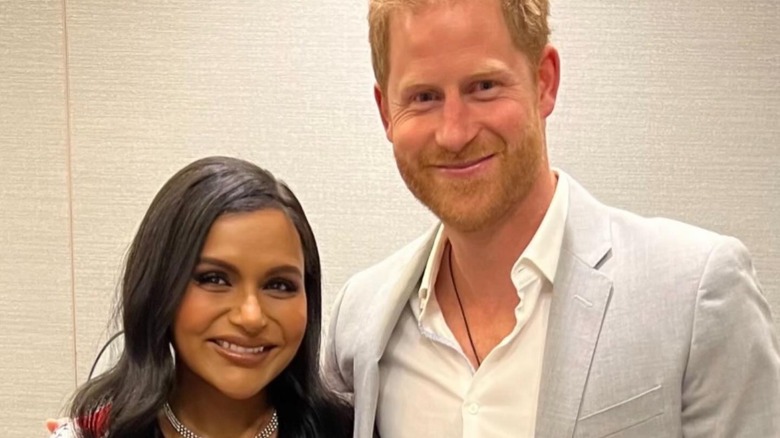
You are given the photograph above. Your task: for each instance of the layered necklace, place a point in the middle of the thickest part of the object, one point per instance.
(265, 432)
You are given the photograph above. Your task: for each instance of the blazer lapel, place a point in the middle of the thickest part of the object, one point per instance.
(580, 298)
(387, 309)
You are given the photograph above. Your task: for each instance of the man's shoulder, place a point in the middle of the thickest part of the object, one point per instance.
(371, 295)
(676, 248)
(662, 232)
(388, 269)
(632, 233)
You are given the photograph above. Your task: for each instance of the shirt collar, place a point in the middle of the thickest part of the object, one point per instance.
(544, 250)
(432, 268)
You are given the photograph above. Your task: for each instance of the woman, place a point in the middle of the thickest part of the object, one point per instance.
(221, 308)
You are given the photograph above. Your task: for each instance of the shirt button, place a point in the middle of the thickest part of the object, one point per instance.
(473, 408)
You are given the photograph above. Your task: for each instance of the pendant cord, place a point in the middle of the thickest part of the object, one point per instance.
(460, 305)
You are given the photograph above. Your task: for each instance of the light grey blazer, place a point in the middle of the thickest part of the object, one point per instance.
(656, 329)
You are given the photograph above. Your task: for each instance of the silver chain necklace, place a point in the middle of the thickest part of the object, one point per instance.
(265, 432)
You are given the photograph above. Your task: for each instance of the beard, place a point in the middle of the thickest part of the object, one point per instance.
(475, 203)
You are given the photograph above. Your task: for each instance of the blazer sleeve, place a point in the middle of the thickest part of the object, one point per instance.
(334, 374)
(731, 386)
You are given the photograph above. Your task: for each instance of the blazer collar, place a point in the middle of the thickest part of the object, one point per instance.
(580, 300)
(380, 323)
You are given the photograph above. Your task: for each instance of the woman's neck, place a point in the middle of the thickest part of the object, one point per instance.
(209, 413)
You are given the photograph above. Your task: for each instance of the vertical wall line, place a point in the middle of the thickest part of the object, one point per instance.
(69, 168)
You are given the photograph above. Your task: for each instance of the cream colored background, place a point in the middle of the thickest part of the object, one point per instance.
(666, 108)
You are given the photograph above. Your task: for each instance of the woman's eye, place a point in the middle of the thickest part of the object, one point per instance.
(281, 285)
(212, 278)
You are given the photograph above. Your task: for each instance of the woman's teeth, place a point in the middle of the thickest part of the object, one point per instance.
(239, 349)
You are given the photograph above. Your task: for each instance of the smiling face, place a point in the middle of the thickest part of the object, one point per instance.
(243, 315)
(462, 109)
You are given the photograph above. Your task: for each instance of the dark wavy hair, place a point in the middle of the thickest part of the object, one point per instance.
(159, 266)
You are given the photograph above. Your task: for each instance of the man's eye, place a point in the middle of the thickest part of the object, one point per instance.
(424, 97)
(485, 85)
(282, 285)
(211, 278)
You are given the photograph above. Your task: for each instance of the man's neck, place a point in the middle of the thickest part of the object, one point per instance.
(486, 257)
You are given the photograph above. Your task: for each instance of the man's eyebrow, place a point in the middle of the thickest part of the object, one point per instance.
(413, 84)
(487, 73)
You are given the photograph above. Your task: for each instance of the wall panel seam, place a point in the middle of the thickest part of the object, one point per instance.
(69, 182)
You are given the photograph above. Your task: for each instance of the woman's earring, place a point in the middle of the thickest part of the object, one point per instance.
(173, 353)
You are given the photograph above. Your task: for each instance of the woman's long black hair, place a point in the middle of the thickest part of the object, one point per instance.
(159, 266)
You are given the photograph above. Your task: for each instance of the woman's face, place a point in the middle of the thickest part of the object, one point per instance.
(243, 315)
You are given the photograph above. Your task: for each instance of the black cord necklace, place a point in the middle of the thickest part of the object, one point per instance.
(460, 305)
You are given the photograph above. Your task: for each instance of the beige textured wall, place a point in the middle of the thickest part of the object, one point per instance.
(666, 108)
(671, 109)
(37, 367)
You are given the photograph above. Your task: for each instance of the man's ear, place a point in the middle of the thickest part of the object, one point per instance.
(382, 106)
(548, 76)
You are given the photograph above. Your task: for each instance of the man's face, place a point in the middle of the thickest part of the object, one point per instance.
(461, 107)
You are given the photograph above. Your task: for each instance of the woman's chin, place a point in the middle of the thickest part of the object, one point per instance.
(240, 393)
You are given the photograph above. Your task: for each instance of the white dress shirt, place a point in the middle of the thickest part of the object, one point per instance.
(429, 388)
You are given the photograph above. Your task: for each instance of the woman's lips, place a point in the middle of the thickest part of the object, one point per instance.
(242, 355)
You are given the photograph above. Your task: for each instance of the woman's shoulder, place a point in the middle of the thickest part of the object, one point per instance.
(65, 430)
(97, 423)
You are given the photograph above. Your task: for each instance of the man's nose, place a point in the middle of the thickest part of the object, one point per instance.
(456, 128)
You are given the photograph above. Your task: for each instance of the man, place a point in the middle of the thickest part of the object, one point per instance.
(533, 310)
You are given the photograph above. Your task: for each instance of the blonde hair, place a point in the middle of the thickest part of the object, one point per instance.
(526, 21)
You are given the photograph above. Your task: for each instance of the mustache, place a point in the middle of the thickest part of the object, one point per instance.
(474, 151)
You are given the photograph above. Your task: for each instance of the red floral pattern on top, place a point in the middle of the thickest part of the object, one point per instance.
(97, 422)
